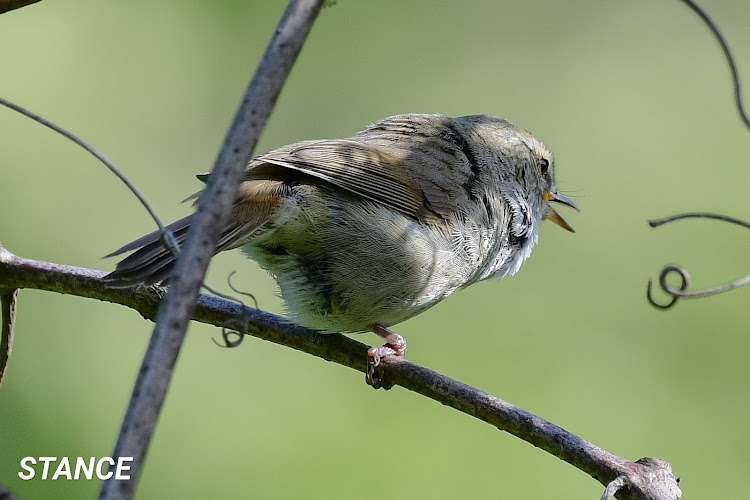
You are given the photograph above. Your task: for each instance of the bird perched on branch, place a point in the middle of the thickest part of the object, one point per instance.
(364, 232)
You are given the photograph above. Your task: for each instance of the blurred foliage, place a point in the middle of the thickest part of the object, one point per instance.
(633, 97)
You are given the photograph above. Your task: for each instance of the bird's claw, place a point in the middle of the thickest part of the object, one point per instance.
(374, 355)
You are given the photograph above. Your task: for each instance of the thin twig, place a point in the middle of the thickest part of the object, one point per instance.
(168, 237)
(213, 209)
(641, 478)
(698, 215)
(724, 47)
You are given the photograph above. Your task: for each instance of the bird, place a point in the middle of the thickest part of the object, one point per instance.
(365, 232)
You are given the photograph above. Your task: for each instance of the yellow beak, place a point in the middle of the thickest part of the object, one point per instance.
(552, 214)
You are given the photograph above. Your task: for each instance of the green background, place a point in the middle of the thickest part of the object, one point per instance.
(633, 97)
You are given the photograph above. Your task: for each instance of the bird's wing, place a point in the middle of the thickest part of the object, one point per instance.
(372, 164)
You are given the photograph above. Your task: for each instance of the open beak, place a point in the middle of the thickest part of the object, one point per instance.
(552, 214)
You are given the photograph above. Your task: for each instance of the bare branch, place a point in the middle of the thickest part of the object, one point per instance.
(647, 478)
(213, 209)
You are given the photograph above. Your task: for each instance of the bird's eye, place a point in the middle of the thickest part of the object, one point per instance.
(544, 165)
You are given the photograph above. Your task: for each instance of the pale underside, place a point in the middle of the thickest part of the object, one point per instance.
(342, 272)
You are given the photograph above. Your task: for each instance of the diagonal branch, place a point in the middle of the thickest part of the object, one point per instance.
(213, 209)
(646, 478)
(8, 5)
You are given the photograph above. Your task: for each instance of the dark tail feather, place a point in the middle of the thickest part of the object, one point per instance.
(151, 263)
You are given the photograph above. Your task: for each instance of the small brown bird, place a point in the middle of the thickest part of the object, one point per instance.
(365, 232)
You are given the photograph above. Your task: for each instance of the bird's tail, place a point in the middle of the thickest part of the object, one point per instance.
(152, 261)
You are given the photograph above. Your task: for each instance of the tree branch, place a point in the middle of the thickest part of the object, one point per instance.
(213, 209)
(8, 5)
(644, 479)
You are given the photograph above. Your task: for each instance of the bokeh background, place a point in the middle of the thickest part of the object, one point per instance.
(633, 97)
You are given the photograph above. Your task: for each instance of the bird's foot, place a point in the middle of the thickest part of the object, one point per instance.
(159, 289)
(395, 345)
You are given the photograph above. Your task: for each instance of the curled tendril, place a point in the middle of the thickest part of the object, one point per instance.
(236, 290)
(233, 327)
(673, 292)
(681, 291)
